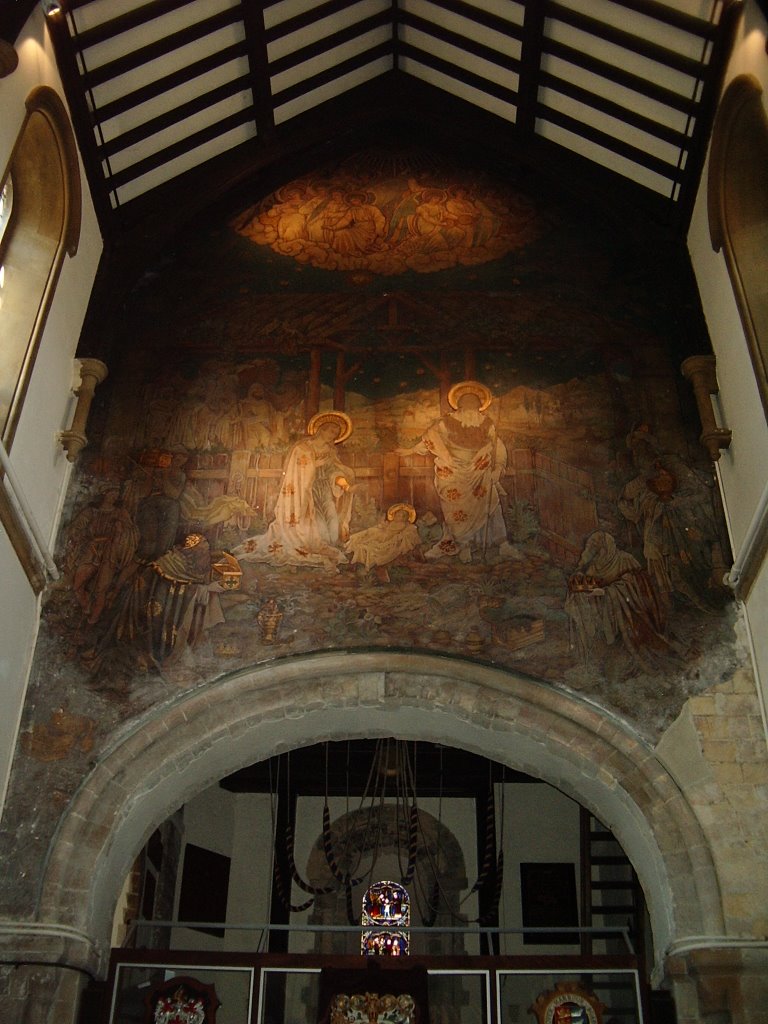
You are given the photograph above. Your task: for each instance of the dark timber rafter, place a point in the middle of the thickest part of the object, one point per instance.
(241, 85)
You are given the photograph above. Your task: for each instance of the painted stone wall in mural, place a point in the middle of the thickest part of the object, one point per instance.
(391, 405)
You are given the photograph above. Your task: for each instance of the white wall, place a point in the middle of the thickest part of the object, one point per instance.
(250, 879)
(743, 469)
(540, 824)
(37, 457)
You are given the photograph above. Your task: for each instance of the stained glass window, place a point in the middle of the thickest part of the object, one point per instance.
(386, 918)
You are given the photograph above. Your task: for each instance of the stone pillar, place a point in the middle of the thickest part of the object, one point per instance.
(92, 372)
(720, 984)
(43, 970)
(45, 994)
(700, 371)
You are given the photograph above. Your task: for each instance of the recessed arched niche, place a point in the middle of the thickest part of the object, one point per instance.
(738, 210)
(42, 225)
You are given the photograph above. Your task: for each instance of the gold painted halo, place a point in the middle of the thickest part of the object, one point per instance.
(470, 387)
(334, 416)
(401, 505)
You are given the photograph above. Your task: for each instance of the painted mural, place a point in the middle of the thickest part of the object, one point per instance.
(374, 217)
(394, 404)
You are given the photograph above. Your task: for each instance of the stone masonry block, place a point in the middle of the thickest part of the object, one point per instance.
(720, 750)
(727, 774)
(703, 704)
(755, 773)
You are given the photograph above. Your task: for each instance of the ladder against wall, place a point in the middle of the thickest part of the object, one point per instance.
(611, 897)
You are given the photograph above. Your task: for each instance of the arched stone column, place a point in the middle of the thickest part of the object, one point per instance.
(185, 746)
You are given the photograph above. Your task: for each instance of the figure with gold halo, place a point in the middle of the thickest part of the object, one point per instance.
(380, 545)
(470, 459)
(314, 505)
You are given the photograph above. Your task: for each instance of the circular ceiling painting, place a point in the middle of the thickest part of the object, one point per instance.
(389, 219)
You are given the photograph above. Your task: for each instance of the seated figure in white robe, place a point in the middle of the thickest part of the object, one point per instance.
(313, 508)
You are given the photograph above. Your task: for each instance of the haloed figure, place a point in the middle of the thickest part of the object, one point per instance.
(313, 508)
(389, 541)
(470, 459)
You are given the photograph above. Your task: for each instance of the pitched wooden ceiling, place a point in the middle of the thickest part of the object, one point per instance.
(623, 90)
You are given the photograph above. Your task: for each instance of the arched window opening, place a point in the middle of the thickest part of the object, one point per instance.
(6, 209)
(738, 210)
(39, 223)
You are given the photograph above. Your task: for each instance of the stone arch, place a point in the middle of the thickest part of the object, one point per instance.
(185, 746)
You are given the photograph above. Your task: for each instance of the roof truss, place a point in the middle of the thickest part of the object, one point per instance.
(162, 87)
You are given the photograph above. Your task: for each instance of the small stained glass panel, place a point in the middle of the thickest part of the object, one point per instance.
(384, 942)
(386, 903)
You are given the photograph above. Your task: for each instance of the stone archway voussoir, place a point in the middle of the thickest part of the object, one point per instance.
(178, 749)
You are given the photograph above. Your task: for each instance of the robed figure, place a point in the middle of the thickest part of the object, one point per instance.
(611, 597)
(313, 508)
(470, 459)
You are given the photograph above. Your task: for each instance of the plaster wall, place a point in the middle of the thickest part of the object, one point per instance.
(232, 824)
(249, 843)
(541, 825)
(457, 816)
(37, 457)
(209, 822)
(250, 883)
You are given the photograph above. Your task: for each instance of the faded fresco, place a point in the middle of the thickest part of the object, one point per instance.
(394, 405)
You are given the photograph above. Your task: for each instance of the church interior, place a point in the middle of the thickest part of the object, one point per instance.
(384, 491)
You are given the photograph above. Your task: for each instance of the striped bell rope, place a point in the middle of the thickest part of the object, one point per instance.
(490, 832)
(313, 889)
(413, 832)
(294, 909)
(330, 859)
(492, 913)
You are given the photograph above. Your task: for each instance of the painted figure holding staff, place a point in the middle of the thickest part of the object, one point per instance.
(470, 459)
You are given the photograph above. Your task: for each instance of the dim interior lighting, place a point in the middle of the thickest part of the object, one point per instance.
(51, 7)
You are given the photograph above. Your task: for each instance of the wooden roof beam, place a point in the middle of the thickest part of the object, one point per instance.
(171, 117)
(480, 50)
(321, 46)
(627, 40)
(164, 156)
(630, 117)
(330, 74)
(125, 22)
(148, 92)
(160, 48)
(612, 73)
(485, 85)
(671, 172)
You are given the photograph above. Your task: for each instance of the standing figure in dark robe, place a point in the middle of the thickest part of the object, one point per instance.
(102, 541)
(177, 596)
(611, 597)
(670, 504)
